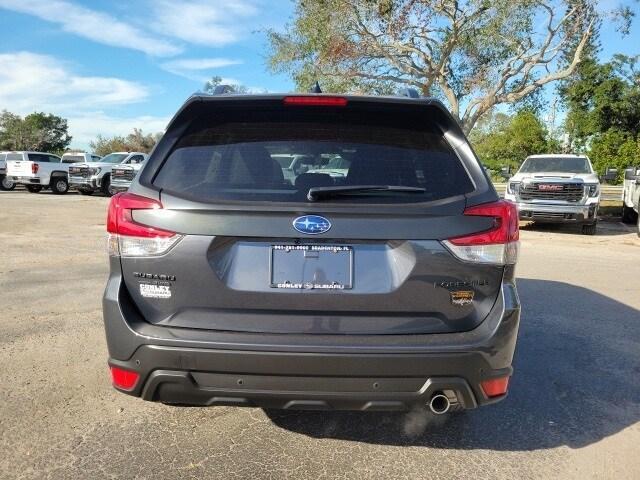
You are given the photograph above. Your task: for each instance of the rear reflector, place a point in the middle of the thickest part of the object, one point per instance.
(495, 387)
(316, 101)
(131, 239)
(124, 379)
(497, 245)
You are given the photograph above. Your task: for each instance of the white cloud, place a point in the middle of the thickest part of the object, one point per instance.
(29, 81)
(194, 68)
(94, 25)
(87, 126)
(204, 22)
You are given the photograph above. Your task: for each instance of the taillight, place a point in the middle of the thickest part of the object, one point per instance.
(495, 387)
(34, 168)
(497, 245)
(128, 238)
(316, 101)
(124, 379)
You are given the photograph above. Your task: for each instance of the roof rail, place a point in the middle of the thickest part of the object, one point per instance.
(222, 90)
(410, 92)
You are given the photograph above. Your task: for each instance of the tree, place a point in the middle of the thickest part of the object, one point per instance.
(603, 112)
(37, 131)
(136, 141)
(474, 54)
(210, 86)
(504, 140)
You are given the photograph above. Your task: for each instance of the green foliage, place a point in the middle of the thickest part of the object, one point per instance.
(502, 140)
(603, 112)
(37, 131)
(136, 141)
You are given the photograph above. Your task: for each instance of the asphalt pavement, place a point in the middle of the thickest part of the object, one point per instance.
(573, 409)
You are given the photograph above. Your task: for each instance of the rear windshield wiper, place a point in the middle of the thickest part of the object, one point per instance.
(317, 193)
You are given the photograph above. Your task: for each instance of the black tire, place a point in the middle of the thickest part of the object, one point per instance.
(638, 223)
(589, 229)
(85, 192)
(59, 185)
(628, 214)
(6, 184)
(34, 188)
(106, 186)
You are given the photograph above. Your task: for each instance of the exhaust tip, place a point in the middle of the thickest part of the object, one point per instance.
(439, 404)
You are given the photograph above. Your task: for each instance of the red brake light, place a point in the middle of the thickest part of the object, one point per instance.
(34, 168)
(505, 228)
(124, 379)
(120, 220)
(495, 387)
(316, 101)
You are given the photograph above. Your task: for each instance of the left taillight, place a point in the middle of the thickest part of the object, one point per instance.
(498, 245)
(128, 238)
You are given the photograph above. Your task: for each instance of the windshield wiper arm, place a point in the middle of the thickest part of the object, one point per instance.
(316, 193)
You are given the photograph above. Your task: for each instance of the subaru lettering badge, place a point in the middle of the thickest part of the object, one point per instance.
(311, 224)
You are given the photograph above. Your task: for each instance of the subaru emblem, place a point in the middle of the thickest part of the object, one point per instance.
(311, 224)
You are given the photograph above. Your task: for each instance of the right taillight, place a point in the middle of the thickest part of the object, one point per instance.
(128, 238)
(497, 245)
(34, 168)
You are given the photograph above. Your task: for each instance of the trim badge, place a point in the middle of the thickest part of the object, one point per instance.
(462, 297)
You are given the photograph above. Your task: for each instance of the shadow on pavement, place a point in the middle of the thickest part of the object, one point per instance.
(576, 382)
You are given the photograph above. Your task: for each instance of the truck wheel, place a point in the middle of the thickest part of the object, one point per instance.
(59, 185)
(589, 229)
(106, 186)
(34, 188)
(638, 215)
(7, 184)
(628, 214)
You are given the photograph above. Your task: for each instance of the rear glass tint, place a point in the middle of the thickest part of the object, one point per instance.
(72, 158)
(14, 156)
(278, 154)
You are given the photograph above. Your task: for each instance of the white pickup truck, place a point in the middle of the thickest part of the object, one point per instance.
(557, 188)
(631, 197)
(38, 170)
(96, 176)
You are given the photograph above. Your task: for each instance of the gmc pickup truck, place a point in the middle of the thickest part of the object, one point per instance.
(631, 197)
(38, 170)
(557, 189)
(89, 177)
(122, 175)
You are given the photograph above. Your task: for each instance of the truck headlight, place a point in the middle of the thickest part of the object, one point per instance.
(94, 171)
(593, 190)
(513, 187)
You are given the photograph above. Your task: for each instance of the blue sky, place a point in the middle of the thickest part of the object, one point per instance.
(110, 66)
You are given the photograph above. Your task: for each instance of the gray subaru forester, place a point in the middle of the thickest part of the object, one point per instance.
(312, 252)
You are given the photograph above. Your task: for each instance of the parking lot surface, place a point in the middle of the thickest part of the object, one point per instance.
(573, 409)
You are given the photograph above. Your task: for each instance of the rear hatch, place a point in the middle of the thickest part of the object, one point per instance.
(18, 167)
(221, 239)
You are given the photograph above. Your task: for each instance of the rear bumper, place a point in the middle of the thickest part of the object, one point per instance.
(26, 180)
(343, 372)
(558, 213)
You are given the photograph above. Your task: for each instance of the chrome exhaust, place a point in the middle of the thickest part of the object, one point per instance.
(439, 404)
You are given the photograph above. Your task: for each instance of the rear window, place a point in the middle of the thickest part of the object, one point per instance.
(14, 156)
(278, 154)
